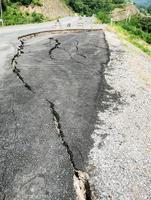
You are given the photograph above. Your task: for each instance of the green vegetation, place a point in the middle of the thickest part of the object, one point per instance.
(145, 47)
(136, 30)
(89, 7)
(149, 10)
(12, 14)
(26, 2)
(138, 26)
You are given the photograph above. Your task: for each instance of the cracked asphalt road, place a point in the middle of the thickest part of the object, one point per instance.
(66, 70)
(67, 110)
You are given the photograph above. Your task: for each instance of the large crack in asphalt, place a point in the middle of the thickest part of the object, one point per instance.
(14, 65)
(80, 179)
(56, 119)
(56, 45)
(81, 182)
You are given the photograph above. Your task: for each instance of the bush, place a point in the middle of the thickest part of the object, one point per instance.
(145, 24)
(4, 4)
(37, 17)
(149, 10)
(89, 7)
(13, 16)
(26, 2)
(103, 16)
(139, 27)
(119, 1)
(36, 2)
(147, 38)
(23, 2)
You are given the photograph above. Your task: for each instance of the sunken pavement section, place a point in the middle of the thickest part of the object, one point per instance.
(48, 112)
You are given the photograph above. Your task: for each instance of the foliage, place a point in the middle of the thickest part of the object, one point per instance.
(138, 26)
(119, 1)
(36, 2)
(23, 2)
(144, 9)
(145, 24)
(4, 4)
(149, 10)
(103, 17)
(89, 7)
(132, 38)
(13, 16)
(102, 8)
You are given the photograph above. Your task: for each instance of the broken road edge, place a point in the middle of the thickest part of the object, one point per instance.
(81, 179)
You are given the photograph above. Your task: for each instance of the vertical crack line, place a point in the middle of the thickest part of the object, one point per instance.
(56, 46)
(77, 51)
(16, 70)
(56, 119)
(81, 179)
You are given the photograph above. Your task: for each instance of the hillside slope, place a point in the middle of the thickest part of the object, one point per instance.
(50, 9)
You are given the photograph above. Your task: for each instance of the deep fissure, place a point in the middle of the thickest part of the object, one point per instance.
(77, 173)
(16, 70)
(56, 118)
(81, 177)
(56, 46)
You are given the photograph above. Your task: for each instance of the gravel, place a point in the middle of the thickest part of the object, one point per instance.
(120, 160)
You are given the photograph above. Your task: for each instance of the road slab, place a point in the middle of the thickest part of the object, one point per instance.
(48, 113)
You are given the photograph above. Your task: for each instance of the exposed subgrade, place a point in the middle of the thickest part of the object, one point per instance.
(16, 70)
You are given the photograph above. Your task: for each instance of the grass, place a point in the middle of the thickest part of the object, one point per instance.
(135, 40)
(138, 26)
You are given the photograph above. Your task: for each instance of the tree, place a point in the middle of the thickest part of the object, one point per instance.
(149, 10)
(145, 24)
(4, 4)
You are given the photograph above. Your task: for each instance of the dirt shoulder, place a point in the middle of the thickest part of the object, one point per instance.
(119, 162)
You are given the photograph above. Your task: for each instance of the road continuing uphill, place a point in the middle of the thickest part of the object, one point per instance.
(48, 115)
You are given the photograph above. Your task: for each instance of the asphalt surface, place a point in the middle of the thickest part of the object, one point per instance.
(69, 105)
(46, 127)
(9, 36)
